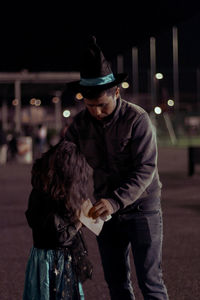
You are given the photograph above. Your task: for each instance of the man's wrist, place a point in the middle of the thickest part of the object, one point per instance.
(114, 204)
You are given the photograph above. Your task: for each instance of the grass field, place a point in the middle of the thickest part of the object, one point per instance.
(182, 142)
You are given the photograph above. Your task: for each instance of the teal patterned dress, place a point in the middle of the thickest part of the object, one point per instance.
(47, 280)
(58, 262)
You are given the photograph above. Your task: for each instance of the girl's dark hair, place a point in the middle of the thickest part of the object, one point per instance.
(62, 172)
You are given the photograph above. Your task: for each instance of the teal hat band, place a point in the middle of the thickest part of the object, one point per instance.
(97, 81)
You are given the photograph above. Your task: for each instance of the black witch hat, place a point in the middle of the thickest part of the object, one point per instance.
(95, 71)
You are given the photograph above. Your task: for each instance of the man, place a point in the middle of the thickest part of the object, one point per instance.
(119, 143)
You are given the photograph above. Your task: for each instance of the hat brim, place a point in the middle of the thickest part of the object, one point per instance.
(75, 86)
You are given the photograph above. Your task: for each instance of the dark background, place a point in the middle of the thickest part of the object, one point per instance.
(49, 37)
(43, 36)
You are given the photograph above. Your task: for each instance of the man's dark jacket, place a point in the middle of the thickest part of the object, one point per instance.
(122, 151)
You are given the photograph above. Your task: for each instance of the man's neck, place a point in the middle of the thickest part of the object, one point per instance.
(109, 118)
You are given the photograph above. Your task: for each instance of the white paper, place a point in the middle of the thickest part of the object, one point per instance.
(94, 225)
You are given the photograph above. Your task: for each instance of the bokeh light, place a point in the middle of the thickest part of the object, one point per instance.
(79, 96)
(125, 85)
(32, 101)
(157, 110)
(15, 102)
(170, 102)
(159, 76)
(38, 102)
(66, 113)
(55, 100)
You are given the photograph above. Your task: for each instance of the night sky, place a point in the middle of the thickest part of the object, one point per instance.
(50, 37)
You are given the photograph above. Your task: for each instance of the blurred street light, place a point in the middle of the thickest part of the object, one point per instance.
(79, 96)
(125, 85)
(55, 100)
(170, 102)
(66, 113)
(157, 110)
(15, 102)
(38, 102)
(32, 101)
(159, 76)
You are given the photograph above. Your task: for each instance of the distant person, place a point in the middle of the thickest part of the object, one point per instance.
(119, 142)
(12, 146)
(3, 146)
(58, 262)
(41, 138)
(28, 130)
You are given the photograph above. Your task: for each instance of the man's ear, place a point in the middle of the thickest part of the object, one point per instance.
(117, 92)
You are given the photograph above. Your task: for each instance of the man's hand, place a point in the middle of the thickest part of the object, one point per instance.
(78, 225)
(102, 209)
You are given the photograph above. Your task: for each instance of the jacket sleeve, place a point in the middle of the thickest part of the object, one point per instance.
(143, 164)
(72, 134)
(46, 218)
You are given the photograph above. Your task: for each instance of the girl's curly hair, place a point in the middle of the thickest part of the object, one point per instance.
(62, 172)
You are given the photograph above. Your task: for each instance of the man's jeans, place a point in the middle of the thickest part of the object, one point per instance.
(142, 230)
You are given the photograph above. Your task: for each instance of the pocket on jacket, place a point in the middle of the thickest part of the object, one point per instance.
(120, 146)
(148, 209)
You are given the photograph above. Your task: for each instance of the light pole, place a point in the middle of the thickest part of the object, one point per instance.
(18, 105)
(158, 77)
(120, 64)
(153, 70)
(175, 67)
(58, 110)
(135, 83)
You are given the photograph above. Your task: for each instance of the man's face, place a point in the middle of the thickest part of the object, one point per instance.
(103, 106)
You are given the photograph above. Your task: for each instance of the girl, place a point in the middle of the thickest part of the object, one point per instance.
(58, 260)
